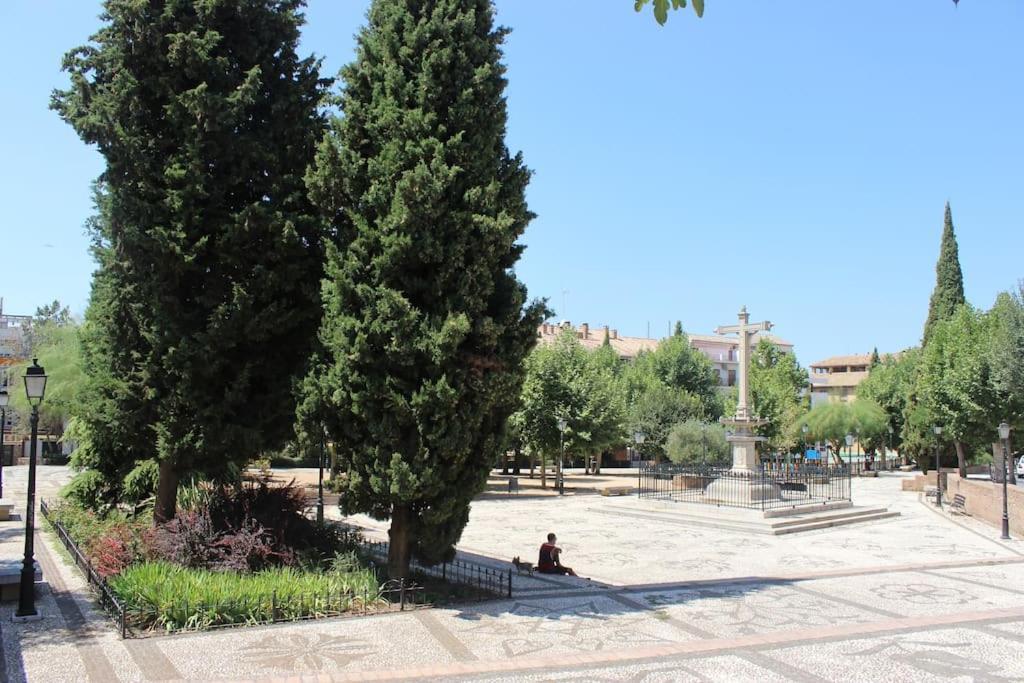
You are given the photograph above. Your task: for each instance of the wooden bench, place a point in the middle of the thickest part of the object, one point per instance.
(931, 492)
(958, 505)
(6, 508)
(10, 578)
(617, 491)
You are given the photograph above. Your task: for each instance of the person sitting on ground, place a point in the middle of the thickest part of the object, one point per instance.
(549, 561)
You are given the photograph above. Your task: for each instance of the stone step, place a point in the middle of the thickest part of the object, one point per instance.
(748, 521)
(812, 525)
(847, 513)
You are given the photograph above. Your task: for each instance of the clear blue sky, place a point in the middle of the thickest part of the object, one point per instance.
(791, 156)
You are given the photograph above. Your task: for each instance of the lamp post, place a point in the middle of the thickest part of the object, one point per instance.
(638, 439)
(562, 425)
(35, 388)
(703, 444)
(4, 399)
(888, 445)
(320, 480)
(803, 431)
(1004, 437)
(938, 473)
(849, 450)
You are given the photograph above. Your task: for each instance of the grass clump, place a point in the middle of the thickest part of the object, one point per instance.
(161, 595)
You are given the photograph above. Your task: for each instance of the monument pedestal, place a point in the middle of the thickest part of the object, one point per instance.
(743, 484)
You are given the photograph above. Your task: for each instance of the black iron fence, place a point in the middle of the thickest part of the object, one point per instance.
(109, 602)
(477, 581)
(762, 489)
(184, 616)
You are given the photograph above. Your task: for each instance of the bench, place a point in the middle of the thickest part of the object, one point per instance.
(793, 486)
(958, 505)
(617, 491)
(931, 492)
(6, 508)
(10, 578)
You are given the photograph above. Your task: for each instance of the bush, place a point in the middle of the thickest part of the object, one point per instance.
(162, 595)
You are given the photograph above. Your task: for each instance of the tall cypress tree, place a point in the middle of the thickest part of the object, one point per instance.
(949, 280)
(425, 324)
(206, 301)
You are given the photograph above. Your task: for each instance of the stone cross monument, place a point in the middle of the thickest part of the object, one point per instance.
(745, 330)
(744, 477)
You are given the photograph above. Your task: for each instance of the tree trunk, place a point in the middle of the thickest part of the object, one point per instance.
(166, 493)
(531, 465)
(504, 463)
(597, 462)
(961, 458)
(543, 472)
(400, 546)
(517, 454)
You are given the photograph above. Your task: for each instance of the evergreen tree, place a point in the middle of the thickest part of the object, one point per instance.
(425, 325)
(949, 280)
(875, 359)
(206, 300)
(678, 331)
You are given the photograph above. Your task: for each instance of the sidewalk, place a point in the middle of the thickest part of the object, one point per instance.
(919, 598)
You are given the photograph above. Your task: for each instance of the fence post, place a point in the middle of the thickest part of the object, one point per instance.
(510, 583)
(273, 605)
(401, 595)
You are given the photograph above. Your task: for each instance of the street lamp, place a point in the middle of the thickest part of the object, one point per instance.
(1004, 436)
(938, 473)
(888, 446)
(562, 426)
(320, 480)
(803, 456)
(4, 400)
(35, 388)
(703, 444)
(849, 450)
(638, 439)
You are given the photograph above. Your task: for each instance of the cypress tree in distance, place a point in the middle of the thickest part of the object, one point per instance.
(426, 327)
(949, 280)
(206, 301)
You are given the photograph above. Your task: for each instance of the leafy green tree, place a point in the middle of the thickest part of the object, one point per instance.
(425, 325)
(955, 381)
(661, 7)
(656, 410)
(694, 441)
(948, 294)
(565, 381)
(777, 384)
(684, 369)
(678, 330)
(875, 359)
(1006, 351)
(57, 348)
(206, 301)
(890, 384)
(833, 421)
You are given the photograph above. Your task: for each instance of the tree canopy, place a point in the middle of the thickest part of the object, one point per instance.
(425, 325)
(948, 294)
(206, 299)
(693, 442)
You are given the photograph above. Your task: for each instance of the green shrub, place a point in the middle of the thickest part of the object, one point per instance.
(159, 595)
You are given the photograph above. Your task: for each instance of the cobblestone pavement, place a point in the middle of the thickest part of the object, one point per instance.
(921, 597)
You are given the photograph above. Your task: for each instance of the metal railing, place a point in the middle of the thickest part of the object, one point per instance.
(391, 596)
(760, 489)
(480, 581)
(110, 603)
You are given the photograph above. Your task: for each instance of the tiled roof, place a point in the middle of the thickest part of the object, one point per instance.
(843, 361)
(630, 347)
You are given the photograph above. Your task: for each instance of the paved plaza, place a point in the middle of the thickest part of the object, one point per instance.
(922, 597)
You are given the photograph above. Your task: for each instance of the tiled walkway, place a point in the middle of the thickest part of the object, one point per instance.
(921, 597)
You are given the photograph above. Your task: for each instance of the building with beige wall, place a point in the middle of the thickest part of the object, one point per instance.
(721, 350)
(836, 378)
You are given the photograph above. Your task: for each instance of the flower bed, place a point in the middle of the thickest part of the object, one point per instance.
(235, 556)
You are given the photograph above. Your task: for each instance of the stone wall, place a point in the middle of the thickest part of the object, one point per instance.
(984, 501)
